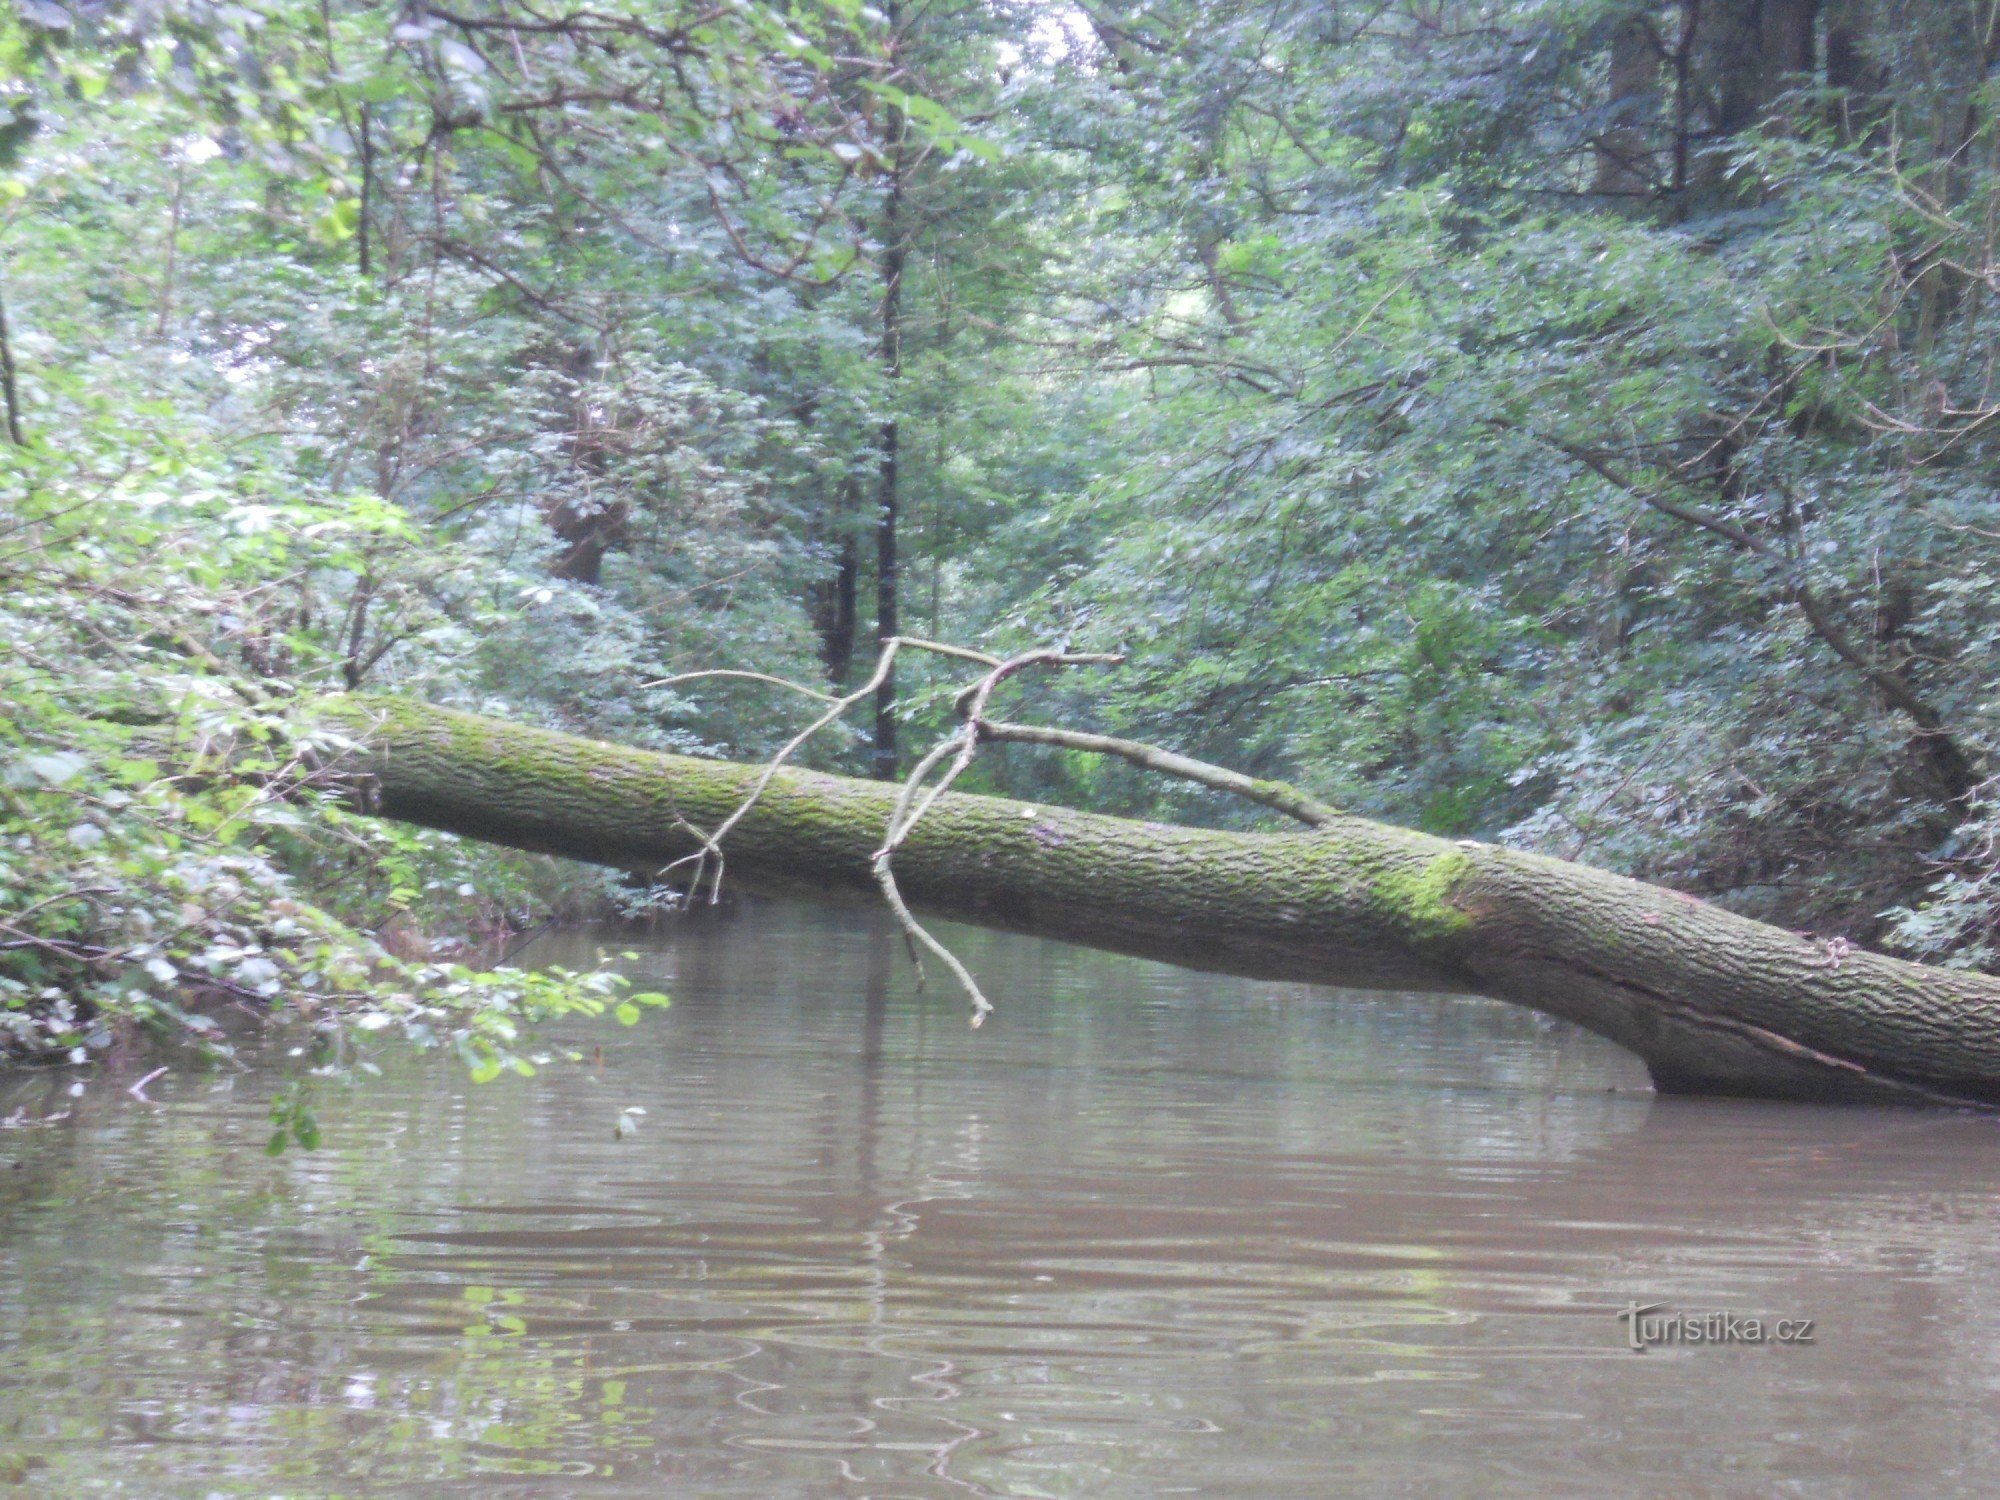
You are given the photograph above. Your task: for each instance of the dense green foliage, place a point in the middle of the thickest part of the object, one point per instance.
(1564, 422)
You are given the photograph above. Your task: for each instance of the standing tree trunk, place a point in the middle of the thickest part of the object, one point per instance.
(1736, 57)
(8, 389)
(887, 579)
(1625, 148)
(1787, 45)
(361, 229)
(835, 597)
(1736, 62)
(1854, 80)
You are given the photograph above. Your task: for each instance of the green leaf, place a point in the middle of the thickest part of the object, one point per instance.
(56, 768)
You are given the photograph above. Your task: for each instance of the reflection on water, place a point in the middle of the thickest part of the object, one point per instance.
(1146, 1233)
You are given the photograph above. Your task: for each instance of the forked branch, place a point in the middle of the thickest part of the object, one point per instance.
(956, 753)
(711, 843)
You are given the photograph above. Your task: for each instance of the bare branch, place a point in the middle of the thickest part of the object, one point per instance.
(783, 682)
(913, 930)
(981, 1006)
(919, 792)
(1276, 795)
(971, 702)
(711, 844)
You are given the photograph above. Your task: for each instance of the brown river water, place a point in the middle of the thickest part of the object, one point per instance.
(1146, 1233)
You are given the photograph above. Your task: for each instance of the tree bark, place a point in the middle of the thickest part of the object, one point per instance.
(1712, 1002)
(1625, 147)
(836, 596)
(895, 249)
(1736, 62)
(361, 248)
(8, 390)
(1787, 44)
(839, 652)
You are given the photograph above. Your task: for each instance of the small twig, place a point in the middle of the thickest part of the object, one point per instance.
(912, 928)
(711, 844)
(898, 817)
(919, 793)
(971, 700)
(783, 682)
(970, 704)
(22, 1120)
(899, 821)
(138, 1090)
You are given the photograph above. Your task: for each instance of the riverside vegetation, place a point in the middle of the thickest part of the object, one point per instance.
(1563, 426)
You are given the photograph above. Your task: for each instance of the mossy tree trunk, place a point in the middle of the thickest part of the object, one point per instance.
(1713, 1002)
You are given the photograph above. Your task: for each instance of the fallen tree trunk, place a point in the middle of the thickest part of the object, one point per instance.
(1713, 1002)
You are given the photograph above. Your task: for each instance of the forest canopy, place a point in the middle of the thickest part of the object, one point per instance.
(1559, 423)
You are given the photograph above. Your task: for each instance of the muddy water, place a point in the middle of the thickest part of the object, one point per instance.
(1147, 1233)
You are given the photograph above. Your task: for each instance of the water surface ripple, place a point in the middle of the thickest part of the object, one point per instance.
(1147, 1233)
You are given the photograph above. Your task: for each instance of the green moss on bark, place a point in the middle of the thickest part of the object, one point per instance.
(1713, 1002)
(1420, 900)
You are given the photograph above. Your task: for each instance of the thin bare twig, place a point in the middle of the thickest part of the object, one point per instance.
(903, 817)
(711, 843)
(919, 792)
(783, 682)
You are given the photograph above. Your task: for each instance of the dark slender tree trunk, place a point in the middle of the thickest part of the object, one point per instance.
(1625, 149)
(1736, 58)
(7, 384)
(1788, 47)
(1854, 78)
(1790, 55)
(889, 500)
(1846, 68)
(367, 190)
(835, 597)
(1682, 173)
(1736, 62)
(352, 668)
(1729, 96)
(887, 621)
(840, 639)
